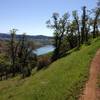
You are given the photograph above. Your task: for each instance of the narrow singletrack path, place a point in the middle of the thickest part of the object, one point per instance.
(90, 91)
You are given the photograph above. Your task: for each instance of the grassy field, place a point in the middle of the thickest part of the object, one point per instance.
(63, 80)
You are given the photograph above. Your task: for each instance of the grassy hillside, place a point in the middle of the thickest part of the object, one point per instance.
(63, 79)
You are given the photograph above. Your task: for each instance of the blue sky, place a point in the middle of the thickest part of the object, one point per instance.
(30, 15)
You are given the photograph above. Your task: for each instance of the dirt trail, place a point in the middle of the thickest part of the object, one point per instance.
(91, 92)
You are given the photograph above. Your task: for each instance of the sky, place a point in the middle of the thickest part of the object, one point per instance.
(30, 16)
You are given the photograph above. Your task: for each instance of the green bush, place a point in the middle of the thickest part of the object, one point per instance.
(43, 62)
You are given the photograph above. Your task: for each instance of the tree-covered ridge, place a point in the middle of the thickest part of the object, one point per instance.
(69, 34)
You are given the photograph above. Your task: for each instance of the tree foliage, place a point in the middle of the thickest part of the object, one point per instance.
(75, 32)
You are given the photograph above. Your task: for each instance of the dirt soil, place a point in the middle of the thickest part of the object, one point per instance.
(91, 92)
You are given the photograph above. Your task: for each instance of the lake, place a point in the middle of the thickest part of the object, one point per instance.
(44, 50)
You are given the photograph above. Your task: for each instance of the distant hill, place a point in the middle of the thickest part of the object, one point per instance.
(7, 36)
(40, 40)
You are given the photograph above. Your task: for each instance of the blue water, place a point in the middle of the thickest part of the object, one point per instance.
(44, 50)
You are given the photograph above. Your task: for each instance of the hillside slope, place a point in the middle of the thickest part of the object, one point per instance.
(63, 79)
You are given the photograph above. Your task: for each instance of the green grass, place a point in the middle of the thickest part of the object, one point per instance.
(63, 80)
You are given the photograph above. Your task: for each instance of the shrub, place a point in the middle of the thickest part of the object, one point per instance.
(26, 72)
(43, 62)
